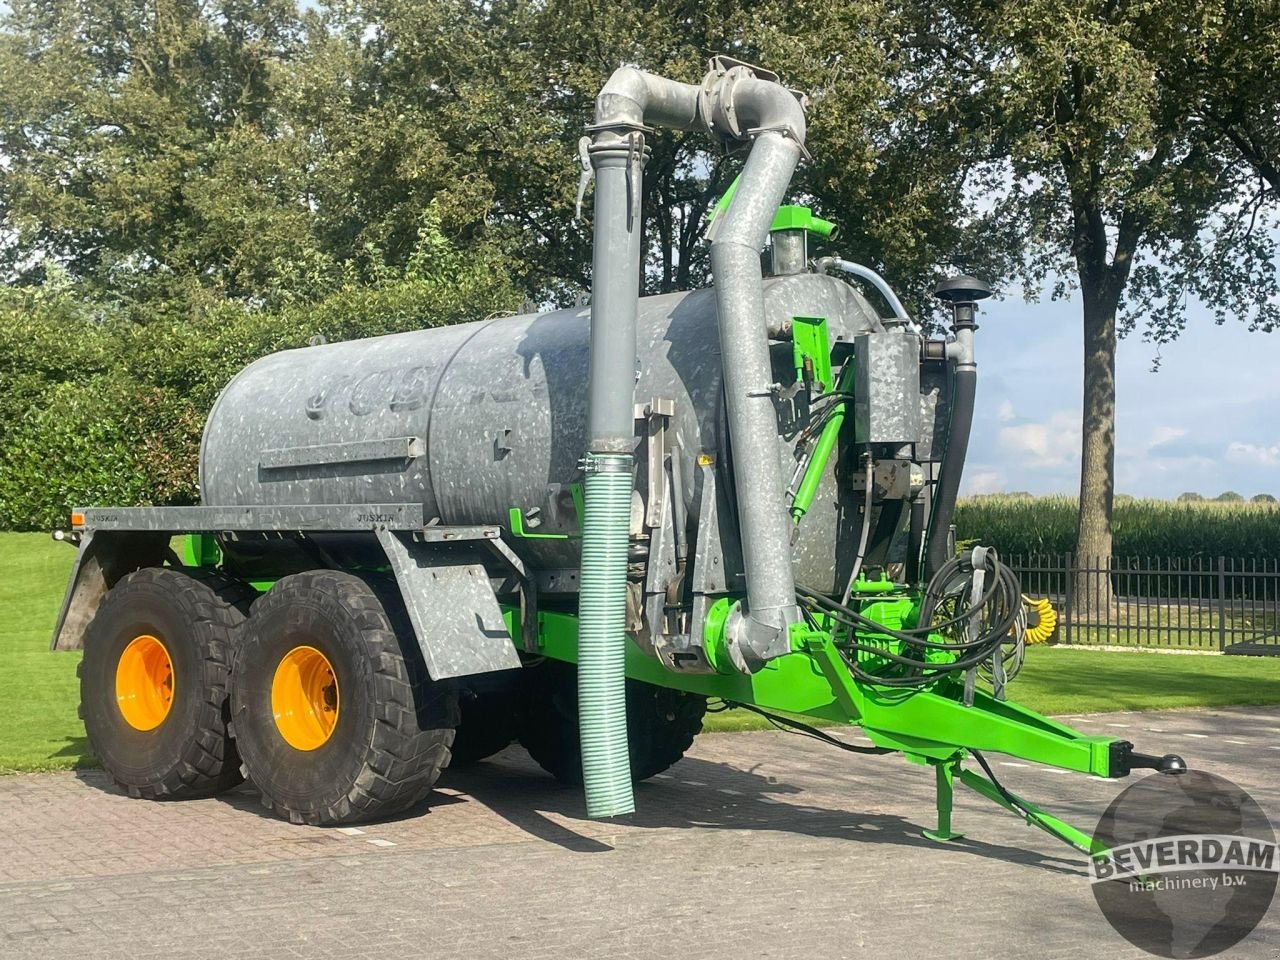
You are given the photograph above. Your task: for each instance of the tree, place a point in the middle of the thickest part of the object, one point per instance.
(480, 106)
(1262, 498)
(1115, 177)
(203, 148)
(483, 104)
(142, 151)
(1229, 496)
(1190, 497)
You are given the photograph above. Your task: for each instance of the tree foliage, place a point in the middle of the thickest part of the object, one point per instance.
(1111, 164)
(97, 409)
(187, 183)
(178, 153)
(141, 145)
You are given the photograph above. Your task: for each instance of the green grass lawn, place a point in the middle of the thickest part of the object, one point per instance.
(38, 689)
(39, 692)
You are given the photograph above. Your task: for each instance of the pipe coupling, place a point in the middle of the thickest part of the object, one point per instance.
(737, 100)
(755, 637)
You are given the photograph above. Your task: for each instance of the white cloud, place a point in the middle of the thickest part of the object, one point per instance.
(1253, 454)
(984, 481)
(1005, 413)
(1163, 434)
(1052, 443)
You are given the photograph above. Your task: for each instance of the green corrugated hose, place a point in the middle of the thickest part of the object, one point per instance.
(602, 626)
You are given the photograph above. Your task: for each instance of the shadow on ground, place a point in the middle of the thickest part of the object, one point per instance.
(77, 747)
(699, 794)
(720, 796)
(696, 793)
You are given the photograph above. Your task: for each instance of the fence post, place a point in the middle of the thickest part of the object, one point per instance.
(1222, 599)
(1067, 613)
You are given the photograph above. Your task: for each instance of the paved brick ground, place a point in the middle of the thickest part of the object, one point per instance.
(756, 845)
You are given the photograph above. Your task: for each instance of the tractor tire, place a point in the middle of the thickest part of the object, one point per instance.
(661, 723)
(153, 682)
(333, 712)
(490, 722)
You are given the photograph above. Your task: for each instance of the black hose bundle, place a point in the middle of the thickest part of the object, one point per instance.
(985, 634)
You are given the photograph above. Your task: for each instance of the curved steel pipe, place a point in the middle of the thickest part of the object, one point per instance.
(863, 272)
(761, 631)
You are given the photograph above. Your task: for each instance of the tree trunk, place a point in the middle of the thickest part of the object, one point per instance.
(1092, 592)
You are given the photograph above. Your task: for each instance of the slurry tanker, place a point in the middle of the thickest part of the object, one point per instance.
(577, 528)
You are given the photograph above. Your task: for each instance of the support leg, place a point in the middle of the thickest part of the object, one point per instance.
(945, 772)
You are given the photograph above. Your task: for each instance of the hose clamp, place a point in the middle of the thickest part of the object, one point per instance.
(606, 463)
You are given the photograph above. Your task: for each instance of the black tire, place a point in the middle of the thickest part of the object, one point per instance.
(661, 723)
(393, 726)
(194, 616)
(490, 722)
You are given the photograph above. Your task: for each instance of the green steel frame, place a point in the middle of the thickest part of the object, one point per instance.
(932, 727)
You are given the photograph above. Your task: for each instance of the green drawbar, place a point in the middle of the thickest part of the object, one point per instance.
(602, 636)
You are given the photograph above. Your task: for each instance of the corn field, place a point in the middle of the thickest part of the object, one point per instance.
(1143, 528)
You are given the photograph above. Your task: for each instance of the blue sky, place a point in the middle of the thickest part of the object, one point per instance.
(1208, 421)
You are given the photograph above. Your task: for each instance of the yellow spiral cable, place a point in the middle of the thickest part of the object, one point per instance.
(1045, 618)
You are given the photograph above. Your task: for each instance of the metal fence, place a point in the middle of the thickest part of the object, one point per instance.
(1192, 603)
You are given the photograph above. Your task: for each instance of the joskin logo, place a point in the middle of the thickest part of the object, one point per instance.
(1186, 865)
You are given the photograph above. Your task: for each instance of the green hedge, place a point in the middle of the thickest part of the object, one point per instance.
(1143, 528)
(99, 406)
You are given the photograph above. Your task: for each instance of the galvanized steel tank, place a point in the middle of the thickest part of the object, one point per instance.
(475, 419)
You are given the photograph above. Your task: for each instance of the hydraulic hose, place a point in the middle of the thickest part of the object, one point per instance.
(998, 610)
(964, 390)
(915, 539)
(602, 605)
(868, 499)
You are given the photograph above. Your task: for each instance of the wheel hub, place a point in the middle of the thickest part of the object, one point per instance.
(144, 683)
(304, 698)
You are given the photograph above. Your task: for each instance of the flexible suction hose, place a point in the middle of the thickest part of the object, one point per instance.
(602, 605)
(618, 159)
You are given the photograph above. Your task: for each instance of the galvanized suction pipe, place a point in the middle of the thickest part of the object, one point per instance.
(633, 98)
(629, 101)
(740, 106)
(760, 632)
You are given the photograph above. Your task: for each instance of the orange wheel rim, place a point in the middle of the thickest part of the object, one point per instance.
(304, 698)
(144, 683)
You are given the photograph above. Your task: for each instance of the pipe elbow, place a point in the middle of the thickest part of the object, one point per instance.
(632, 98)
(622, 98)
(767, 105)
